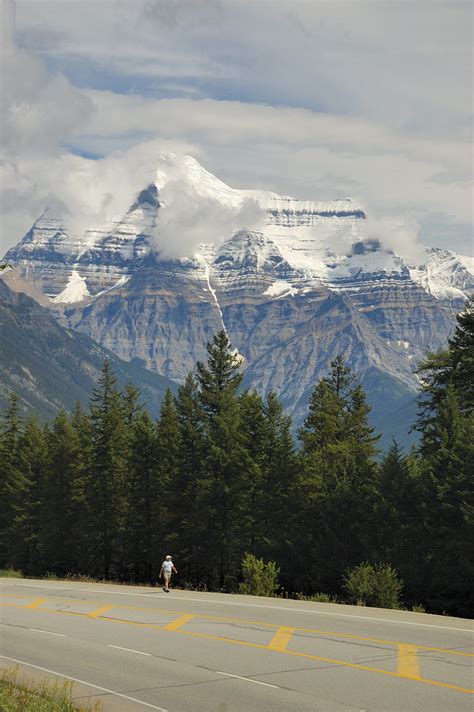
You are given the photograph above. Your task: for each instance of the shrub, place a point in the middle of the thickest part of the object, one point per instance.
(317, 597)
(359, 583)
(259, 578)
(369, 585)
(418, 608)
(10, 573)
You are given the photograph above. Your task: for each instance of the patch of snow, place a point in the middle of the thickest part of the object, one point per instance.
(280, 288)
(119, 283)
(212, 291)
(445, 275)
(75, 290)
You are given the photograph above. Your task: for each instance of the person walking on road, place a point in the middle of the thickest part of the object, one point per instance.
(166, 568)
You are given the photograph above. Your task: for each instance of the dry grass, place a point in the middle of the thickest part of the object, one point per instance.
(24, 695)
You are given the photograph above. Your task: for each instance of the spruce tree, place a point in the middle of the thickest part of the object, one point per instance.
(108, 471)
(60, 522)
(224, 491)
(12, 481)
(445, 422)
(81, 499)
(276, 512)
(168, 450)
(142, 494)
(28, 497)
(186, 515)
(461, 358)
(338, 485)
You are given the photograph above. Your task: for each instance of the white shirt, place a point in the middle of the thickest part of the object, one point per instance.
(167, 566)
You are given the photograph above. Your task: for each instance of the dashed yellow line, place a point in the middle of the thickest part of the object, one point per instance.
(99, 611)
(281, 639)
(407, 661)
(178, 622)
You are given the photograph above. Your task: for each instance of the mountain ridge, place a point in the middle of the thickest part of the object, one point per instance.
(307, 282)
(50, 367)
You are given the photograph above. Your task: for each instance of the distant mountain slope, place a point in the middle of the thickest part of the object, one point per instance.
(307, 281)
(50, 367)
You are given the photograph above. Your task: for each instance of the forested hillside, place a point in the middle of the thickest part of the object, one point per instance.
(108, 492)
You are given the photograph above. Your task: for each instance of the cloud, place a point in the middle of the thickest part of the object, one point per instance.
(189, 219)
(308, 154)
(319, 100)
(406, 64)
(399, 234)
(38, 109)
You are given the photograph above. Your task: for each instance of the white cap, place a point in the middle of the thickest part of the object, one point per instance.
(167, 556)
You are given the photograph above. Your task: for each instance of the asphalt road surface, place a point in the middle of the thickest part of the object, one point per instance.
(138, 648)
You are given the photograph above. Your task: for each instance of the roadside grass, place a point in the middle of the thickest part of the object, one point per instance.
(27, 696)
(10, 573)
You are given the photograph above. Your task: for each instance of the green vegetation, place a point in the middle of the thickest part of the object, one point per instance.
(369, 585)
(26, 696)
(317, 598)
(10, 573)
(259, 578)
(104, 494)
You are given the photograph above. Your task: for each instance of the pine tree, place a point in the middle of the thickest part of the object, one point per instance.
(59, 512)
(168, 449)
(26, 524)
(81, 499)
(187, 519)
(142, 494)
(108, 471)
(446, 425)
(461, 358)
(276, 515)
(339, 489)
(224, 491)
(12, 481)
(450, 547)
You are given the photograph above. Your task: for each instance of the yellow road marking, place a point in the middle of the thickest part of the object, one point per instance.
(99, 611)
(178, 622)
(257, 622)
(342, 663)
(281, 639)
(307, 656)
(35, 604)
(407, 661)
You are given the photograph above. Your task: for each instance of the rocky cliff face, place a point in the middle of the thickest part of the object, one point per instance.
(50, 367)
(305, 285)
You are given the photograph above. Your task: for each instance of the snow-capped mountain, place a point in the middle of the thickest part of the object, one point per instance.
(301, 284)
(323, 242)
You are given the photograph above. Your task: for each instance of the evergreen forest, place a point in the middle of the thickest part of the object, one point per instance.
(221, 474)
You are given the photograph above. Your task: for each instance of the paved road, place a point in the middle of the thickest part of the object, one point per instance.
(138, 648)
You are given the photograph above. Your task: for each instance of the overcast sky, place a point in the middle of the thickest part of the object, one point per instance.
(321, 100)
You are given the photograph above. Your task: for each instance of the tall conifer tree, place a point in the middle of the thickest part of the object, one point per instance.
(224, 496)
(107, 474)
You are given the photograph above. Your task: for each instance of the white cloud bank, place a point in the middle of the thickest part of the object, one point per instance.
(385, 86)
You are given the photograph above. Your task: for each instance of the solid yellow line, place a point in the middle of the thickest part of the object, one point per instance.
(263, 623)
(281, 639)
(99, 611)
(407, 662)
(342, 663)
(178, 622)
(307, 656)
(35, 604)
